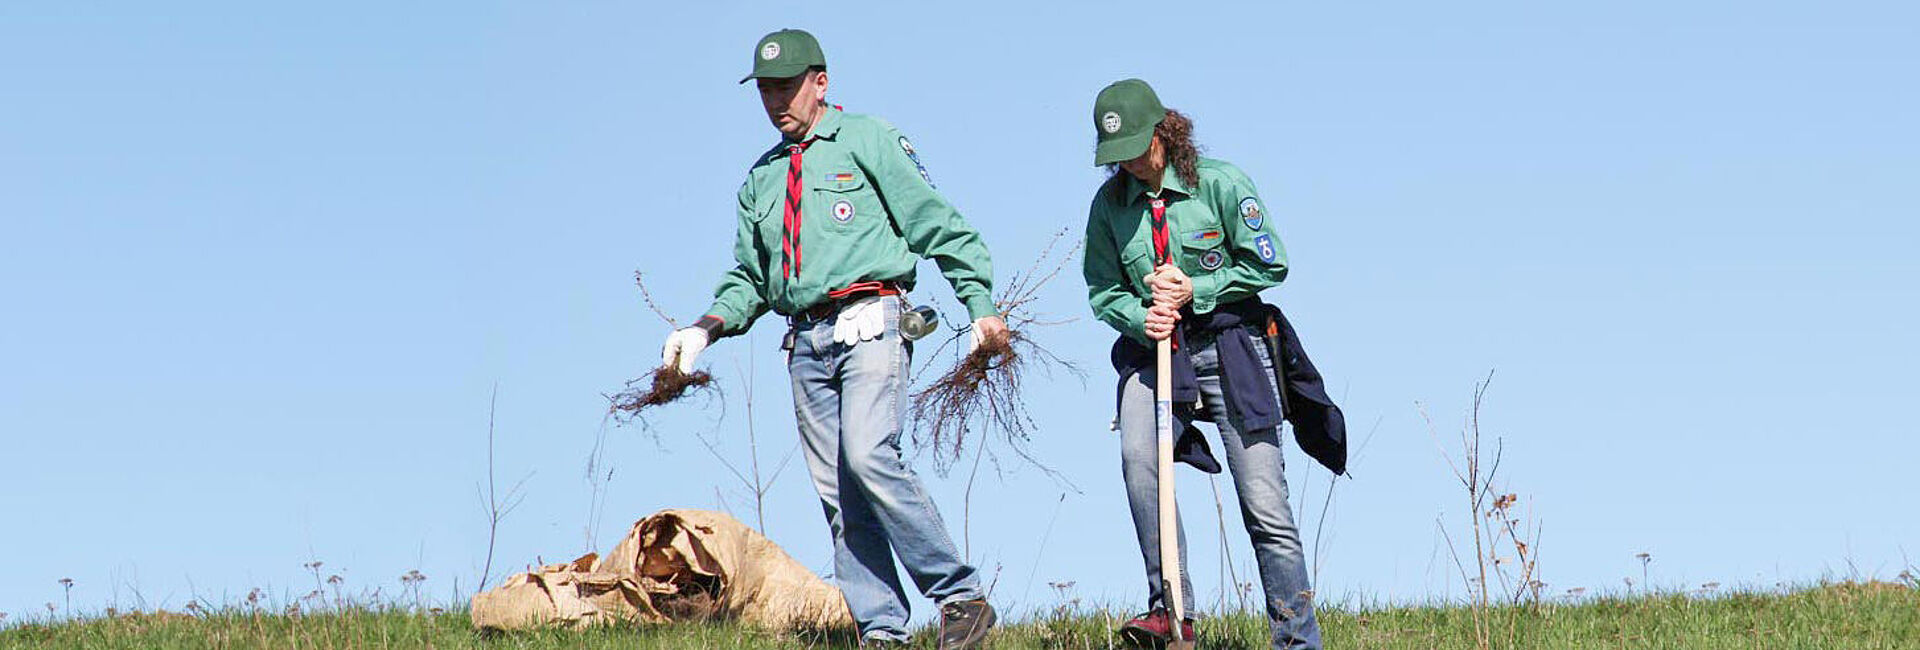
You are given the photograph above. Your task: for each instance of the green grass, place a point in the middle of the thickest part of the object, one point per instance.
(1849, 615)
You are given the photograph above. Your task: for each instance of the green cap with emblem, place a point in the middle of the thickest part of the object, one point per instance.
(785, 53)
(1123, 119)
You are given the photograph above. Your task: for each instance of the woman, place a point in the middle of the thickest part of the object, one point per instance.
(1179, 246)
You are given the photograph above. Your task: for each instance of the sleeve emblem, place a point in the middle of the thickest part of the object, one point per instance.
(1263, 244)
(915, 157)
(1250, 213)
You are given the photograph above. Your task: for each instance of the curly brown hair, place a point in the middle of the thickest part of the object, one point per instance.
(1176, 138)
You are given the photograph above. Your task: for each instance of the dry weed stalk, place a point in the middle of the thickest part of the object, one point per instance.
(986, 382)
(496, 506)
(751, 479)
(1495, 526)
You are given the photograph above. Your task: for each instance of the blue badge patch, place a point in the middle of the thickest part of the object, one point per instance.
(915, 157)
(1213, 259)
(1250, 213)
(843, 211)
(1264, 244)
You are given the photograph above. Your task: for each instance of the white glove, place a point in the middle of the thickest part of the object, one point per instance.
(984, 327)
(864, 319)
(683, 344)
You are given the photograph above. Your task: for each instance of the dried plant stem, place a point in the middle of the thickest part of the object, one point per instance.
(648, 297)
(984, 386)
(1494, 525)
(1231, 576)
(496, 507)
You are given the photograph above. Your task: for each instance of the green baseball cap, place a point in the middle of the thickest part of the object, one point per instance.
(1123, 119)
(785, 53)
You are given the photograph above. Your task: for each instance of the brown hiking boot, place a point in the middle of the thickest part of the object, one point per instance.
(964, 624)
(1151, 630)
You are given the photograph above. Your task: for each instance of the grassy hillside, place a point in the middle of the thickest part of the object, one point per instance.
(1873, 615)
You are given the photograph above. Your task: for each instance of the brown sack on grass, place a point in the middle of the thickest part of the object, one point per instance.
(562, 595)
(695, 564)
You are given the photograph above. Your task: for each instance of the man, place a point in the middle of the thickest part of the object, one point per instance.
(832, 222)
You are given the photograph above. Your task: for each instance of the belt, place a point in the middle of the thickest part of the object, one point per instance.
(840, 297)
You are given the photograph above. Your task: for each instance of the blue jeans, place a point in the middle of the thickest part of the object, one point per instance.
(1253, 458)
(848, 400)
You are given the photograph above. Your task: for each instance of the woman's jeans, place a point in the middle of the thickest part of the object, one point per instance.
(1259, 477)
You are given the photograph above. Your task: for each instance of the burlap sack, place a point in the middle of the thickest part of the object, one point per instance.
(676, 565)
(699, 563)
(562, 595)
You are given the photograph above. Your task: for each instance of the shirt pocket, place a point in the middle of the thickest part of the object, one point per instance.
(767, 227)
(1136, 264)
(846, 201)
(1204, 250)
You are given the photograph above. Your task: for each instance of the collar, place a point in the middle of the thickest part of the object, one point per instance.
(829, 123)
(1169, 181)
(825, 128)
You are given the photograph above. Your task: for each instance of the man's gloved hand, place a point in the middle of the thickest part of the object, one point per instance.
(985, 328)
(863, 319)
(683, 345)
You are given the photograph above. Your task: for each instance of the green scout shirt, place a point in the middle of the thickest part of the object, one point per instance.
(868, 212)
(1219, 234)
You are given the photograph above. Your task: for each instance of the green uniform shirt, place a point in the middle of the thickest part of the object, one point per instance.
(868, 212)
(1219, 234)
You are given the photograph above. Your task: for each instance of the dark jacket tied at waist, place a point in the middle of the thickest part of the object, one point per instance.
(1318, 424)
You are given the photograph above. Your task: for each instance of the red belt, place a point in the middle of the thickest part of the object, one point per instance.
(838, 298)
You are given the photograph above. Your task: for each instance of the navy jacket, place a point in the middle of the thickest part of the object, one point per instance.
(1318, 425)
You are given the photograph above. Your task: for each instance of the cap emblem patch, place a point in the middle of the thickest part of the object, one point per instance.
(1110, 122)
(770, 51)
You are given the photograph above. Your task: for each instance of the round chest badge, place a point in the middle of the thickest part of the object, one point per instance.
(1212, 260)
(843, 211)
(770, 51)
(1250, 213)
(1110, 122)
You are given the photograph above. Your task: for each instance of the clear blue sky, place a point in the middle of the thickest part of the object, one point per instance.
(261, 267)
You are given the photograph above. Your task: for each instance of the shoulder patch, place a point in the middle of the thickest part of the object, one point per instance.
(1263, 244)
(914, 156)
(1250, 213)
